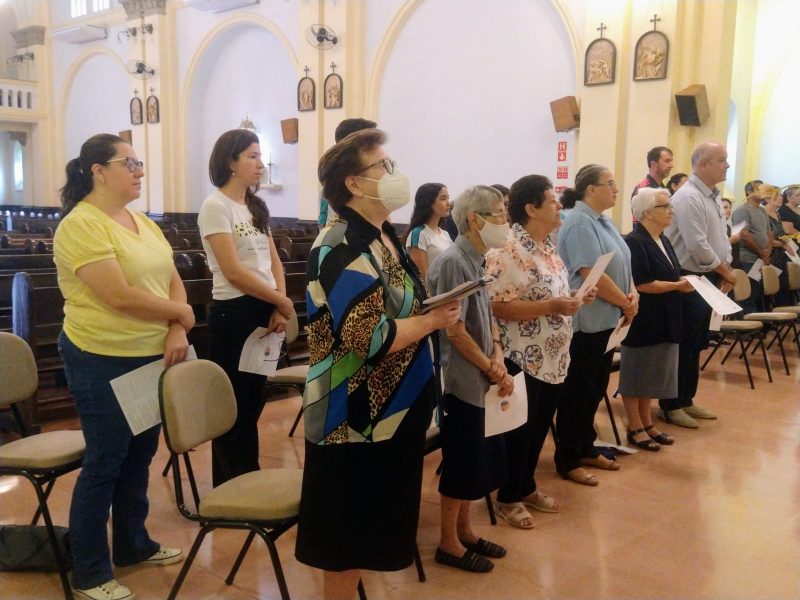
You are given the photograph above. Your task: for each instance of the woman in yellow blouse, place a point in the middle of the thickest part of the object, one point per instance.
(125, 307)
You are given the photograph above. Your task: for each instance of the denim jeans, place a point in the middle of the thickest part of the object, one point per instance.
(114, 473)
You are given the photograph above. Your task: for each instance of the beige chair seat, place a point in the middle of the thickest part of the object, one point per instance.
(43, 451)
(788, 309)
(770, 316)
(290, 375)
(740, 326)
(257, 496)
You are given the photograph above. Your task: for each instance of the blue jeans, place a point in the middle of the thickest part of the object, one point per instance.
(114, 473)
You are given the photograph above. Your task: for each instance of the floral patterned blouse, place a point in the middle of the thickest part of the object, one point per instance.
(525, 270)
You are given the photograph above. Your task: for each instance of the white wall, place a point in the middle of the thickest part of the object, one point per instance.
(780, 149)
(465, 98)
(8, 23)
(244, 71)
(98, 103)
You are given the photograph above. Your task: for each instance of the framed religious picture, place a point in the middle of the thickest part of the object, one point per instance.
(306, 94)
(153, 112)
(651, 56)
(600, 62)
(334, 89)
(136, 111)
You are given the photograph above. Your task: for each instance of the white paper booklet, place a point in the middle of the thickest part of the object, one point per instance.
(137, 394)
(718, 301)
(594, 275)
(261, 352)
(510, 412)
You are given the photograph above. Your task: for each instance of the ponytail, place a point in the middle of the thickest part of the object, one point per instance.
(98, 149)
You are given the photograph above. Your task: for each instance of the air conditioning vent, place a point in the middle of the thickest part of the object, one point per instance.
(80, 34)
(216, 6)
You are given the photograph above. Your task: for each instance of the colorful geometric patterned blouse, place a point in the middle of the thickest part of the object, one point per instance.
(355, 392)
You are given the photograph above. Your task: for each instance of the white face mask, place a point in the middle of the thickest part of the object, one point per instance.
(493, 235)
(394, 190)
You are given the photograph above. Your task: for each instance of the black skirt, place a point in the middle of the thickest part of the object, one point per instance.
(359, 506)
(472, 464)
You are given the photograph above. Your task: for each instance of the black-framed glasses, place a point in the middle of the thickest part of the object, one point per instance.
(387, 163)
(131, 163)
(667, 205)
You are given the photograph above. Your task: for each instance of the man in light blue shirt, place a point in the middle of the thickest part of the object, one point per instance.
(699, 237)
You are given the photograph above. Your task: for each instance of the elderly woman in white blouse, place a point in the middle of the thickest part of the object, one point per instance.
(533, 305)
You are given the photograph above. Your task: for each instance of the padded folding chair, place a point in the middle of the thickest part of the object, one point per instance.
(741, 331)
(41, 458)
(291, 376)
(197, 405)
(772, 285)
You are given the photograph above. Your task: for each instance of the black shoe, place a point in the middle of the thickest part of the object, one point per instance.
(474, 563)
(661, 438)
(648, 444)
(485, 548)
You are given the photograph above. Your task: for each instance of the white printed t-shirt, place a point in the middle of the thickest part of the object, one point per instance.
(430, 242)
(220, 214)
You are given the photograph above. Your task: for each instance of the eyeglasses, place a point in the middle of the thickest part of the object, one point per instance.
(387, 163)
(610, 183)
(131, 163)
(668, 205)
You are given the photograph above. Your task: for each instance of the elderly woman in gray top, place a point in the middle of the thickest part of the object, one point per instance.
(472, 464)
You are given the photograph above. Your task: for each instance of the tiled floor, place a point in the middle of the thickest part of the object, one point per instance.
(717, 515)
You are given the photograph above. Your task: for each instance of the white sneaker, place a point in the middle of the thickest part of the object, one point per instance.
(110, 590)
(164, 556)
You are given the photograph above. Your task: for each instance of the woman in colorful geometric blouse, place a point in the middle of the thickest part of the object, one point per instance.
(370, 388)
(532, 305)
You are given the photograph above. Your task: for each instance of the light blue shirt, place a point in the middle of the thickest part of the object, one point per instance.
(698, 233)
(583, 238)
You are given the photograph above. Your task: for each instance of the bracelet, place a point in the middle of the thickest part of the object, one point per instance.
(497, 341)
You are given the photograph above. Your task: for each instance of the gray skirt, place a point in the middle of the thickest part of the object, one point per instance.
(649, 371)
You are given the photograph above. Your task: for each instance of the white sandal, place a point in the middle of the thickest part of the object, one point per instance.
(514, 513)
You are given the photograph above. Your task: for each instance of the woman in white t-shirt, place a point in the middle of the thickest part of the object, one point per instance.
(249, 288)
(426, 238)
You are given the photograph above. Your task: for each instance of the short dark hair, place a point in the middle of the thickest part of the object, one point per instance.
(344, 159)
(226, 150)
(751, 186)
(349, 126)
(728, 200)
(655, 154)
(500, 188)
(674, 180)
(526, 190)
(790, 191)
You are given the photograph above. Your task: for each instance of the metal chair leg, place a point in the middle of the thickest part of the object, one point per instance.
(490, 508)
(192, 482)
(746, 364)
(276, 564)
(418, 563)
(188, 562)
(362, 594)
(235, 569)
(47, 491)
(296, 421)
(612, 419)
(766, 358)
(167, 467)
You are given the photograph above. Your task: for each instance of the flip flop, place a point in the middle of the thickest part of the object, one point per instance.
(542, 503)
(485, 548)
(514, 513)
(471, 562)
(585, 479)
(599, 463)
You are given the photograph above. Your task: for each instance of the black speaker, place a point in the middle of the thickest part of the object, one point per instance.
(692, 103)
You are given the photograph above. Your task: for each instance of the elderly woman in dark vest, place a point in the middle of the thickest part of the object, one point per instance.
(649, 366)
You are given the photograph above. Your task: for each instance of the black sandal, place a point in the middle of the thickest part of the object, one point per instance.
(471, 562)
(648, 444)
(661, 438)
(485, 548)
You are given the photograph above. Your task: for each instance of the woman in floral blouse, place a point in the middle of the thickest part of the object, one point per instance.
(532, 304)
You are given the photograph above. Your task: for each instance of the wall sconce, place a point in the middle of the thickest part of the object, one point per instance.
(20, 58)
(132, 32)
